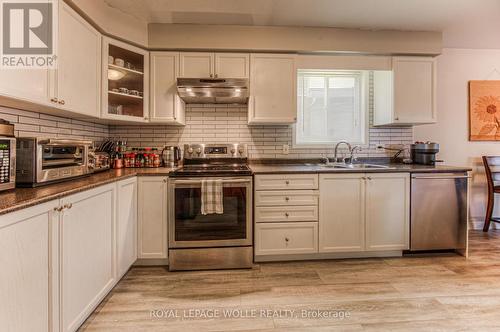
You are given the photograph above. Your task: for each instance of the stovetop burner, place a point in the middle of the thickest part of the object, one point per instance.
(212, 170)
(214, 160)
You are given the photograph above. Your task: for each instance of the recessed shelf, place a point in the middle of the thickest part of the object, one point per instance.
(132, 71)
(124, 95)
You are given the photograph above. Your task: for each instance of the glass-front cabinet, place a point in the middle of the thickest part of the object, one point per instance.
(125, 81)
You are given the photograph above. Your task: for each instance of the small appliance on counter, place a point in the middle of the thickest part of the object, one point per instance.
(7, 156)
(424, 153)
(171, 155)
(46, 160)
(99, 161)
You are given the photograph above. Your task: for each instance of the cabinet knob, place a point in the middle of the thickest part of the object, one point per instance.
(211, 75)
(58, 209)
(287, 198)
(364, 177)
(164, 180)
(286, 214)
(68, 206)
(54, 100)
(397, 119)
(287, 239)
(62, 102)
(369, 178)
(287, 182)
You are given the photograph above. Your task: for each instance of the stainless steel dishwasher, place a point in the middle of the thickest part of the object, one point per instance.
(439, 211)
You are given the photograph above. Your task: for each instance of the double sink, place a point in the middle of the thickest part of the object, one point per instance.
(342, 166)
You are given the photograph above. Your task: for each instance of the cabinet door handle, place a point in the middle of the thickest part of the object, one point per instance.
(369, 178)
(68, 206)
(58, 209)
(287, 182)
(287, 198)
(164, 180)
(287, 239)
(62, 102)
(54, 100)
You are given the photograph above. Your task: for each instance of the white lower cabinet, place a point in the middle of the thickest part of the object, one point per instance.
(364, 212)
(286, 213)
(28, 280)
(387, 211)
(286, 238)
(87, 253)
(342, 209)
(152, 222)
(126, 225)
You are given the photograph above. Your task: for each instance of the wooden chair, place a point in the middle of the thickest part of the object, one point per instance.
(492, 176)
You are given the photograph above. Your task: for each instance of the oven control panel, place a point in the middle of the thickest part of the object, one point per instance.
(209, 151)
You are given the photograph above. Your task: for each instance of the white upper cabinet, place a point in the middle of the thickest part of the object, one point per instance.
(125, 82)
(214, 65)
(79, 66)
(196, 65)
(273, 90)
(232, 65)
(74, 86)
(407, 94)
(166, 105)
(387, 211)
(26, 85)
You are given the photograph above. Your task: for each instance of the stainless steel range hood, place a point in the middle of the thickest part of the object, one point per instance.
(213, 90)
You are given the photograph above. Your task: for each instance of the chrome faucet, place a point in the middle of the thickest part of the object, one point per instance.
(336, 150)
(353, 150)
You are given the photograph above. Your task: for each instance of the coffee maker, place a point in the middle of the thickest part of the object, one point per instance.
(424, 153)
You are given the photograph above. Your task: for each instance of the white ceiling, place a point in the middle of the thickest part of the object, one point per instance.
(465, 23)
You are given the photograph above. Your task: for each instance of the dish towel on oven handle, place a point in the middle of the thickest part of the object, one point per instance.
(212, 197)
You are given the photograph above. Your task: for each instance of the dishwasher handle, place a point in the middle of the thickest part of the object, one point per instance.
(441, 176)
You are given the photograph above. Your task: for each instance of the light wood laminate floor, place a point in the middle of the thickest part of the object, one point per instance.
(446, 293)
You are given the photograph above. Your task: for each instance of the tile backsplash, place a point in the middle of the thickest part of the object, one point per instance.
(33, 124)
(225, 124)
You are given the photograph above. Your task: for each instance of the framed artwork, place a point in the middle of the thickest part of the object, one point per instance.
(484, 110)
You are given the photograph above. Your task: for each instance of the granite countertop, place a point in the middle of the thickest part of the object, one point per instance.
(270, 168)
(20, 198)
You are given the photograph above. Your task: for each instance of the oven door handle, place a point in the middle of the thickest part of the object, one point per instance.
(224, 181)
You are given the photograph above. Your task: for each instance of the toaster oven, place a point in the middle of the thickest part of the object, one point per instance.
(41, 160)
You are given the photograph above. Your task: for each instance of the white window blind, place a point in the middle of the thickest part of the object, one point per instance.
(331, 107)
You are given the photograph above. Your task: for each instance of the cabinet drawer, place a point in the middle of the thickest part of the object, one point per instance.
(287, 198)
(286, 238)
(286, 181)
(286, 213)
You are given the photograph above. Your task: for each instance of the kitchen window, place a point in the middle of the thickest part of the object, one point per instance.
(332, 106)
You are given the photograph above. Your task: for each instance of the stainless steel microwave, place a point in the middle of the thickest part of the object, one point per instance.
(42, 160)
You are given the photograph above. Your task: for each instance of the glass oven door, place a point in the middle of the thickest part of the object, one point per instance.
(188, 228)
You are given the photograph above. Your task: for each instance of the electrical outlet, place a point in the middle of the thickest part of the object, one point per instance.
(286, 149)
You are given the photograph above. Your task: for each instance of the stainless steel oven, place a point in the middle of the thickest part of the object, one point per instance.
(198, 241)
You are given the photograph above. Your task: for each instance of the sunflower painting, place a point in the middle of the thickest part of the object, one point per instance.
(484, 110)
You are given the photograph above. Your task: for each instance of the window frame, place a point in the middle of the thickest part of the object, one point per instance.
(364, 108)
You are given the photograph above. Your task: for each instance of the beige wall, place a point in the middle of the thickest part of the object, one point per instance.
(291, 39)
(455, 68)
(113, 21)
